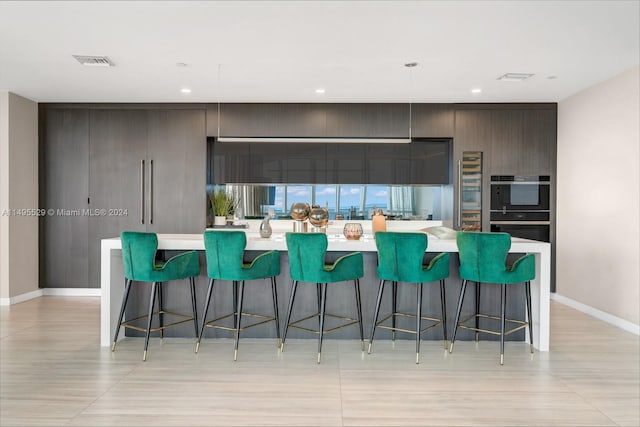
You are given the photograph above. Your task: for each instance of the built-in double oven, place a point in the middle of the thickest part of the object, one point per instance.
(520, 206)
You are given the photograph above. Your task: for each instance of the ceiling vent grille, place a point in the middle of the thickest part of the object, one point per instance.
(94, 61)
(514, 77)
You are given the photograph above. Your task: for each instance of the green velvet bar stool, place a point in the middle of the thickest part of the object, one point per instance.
(400, 259)
(140, 266)
(307, 264)
(225, 252)
(483, 260)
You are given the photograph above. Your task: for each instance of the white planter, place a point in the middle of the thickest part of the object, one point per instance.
(220, 220)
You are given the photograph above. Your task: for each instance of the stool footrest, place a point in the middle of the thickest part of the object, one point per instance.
(522, 324)
(128, 324)
(212, 323)
(350, 320)
(391, 328)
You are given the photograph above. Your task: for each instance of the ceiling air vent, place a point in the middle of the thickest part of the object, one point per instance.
(514, 77)
(94, 61)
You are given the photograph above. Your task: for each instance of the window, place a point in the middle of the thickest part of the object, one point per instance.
(375, 196)
(350, 201)
(326, 196)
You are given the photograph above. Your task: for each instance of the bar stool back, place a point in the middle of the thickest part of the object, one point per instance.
(225, 252)
(306, 262)
(400, 259)
(140, 265)
(483, 260)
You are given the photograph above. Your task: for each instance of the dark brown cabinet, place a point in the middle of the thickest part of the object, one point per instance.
(64, 191)
(472, 133)
(117, 181)
(132, 169)
(507, 141)
(540, 134)
(432, 120)
(267, 120)
(92, 158)
(367, 120)
(523, 141)
(177, 145)
(514, 139)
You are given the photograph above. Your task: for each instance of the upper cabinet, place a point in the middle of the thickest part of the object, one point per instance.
(540, 136)
(430, 162)
(388, 163)
(306, 162)
(345, 120)
(267, 120)
(367, 120)
(432, 120)
(523, 141)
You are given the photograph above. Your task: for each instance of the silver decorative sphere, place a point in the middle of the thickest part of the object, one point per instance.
(300, 211)
(318, 217)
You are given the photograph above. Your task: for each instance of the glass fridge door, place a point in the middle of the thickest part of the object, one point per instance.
(470, 188)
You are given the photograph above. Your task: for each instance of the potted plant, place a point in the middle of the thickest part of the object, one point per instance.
(222, 204)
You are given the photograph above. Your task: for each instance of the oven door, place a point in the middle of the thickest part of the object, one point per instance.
(525, 229)
(529, 196)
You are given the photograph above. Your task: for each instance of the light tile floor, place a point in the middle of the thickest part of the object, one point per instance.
(53, 372)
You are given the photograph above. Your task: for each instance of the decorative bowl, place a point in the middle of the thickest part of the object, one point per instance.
(352, 231)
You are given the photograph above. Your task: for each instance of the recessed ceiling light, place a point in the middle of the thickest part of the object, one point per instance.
(185, 90)
(411, 64)
(320, 91)
(514, 77)
(476, 90)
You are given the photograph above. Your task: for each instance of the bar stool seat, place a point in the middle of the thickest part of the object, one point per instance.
(140, 266)
(483, 260)
(225, 251)
(306, 263)
(400, 259)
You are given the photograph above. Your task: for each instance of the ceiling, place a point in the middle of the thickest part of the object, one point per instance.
(264, 51)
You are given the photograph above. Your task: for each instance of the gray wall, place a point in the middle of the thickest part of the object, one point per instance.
(18, 190)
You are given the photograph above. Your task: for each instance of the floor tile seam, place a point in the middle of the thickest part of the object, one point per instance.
(586, 400)
(341, 394)
(101, 395)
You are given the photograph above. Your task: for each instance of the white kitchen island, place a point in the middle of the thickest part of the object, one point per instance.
(112, 281)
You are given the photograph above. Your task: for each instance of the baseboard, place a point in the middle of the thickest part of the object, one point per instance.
(73, 292)
(598, 314)
(22, 297)
(65, 292)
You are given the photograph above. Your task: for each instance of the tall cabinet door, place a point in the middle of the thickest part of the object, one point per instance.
(64, 177)
(472, 133)
(176, 153)
(116, 178)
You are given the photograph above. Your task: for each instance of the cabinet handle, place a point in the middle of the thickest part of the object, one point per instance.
(142, 191)
(151, 192)
(460, 194)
